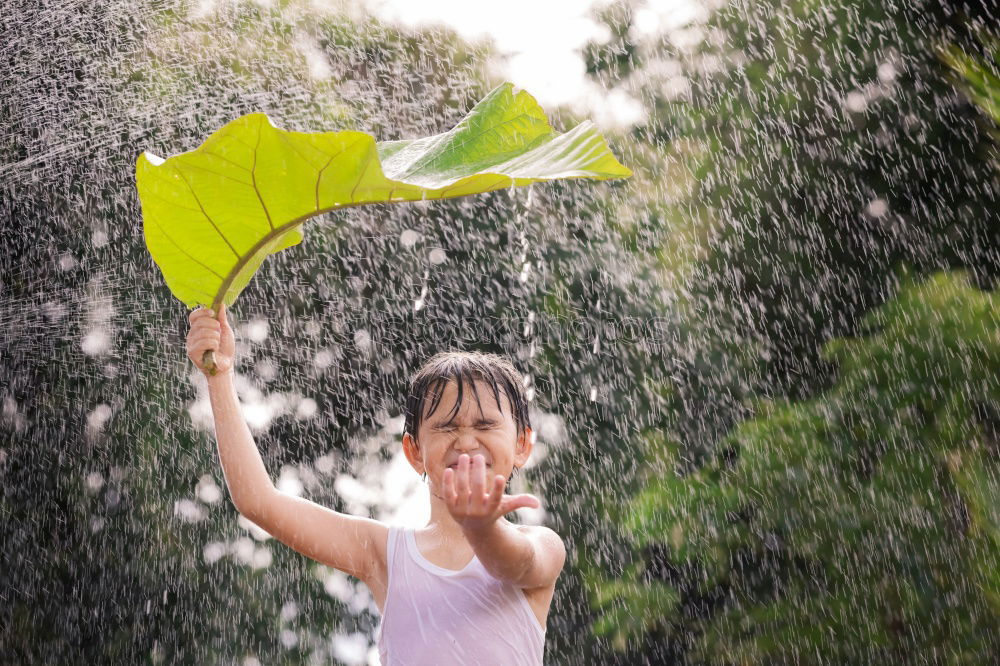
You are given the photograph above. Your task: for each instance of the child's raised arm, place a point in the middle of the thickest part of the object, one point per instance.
(351, 544)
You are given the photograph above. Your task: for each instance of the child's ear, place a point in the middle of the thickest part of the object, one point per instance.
(412, 451)
(525, 443)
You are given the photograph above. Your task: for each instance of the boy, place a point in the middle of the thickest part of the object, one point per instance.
(470, 587)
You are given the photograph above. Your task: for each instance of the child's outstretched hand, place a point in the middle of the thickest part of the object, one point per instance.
(206, 333)
(470, 503)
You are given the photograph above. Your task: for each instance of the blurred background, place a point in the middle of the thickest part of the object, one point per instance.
(764, 370)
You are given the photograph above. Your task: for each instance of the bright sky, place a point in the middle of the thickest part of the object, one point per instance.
(541, 43)
(529, 31)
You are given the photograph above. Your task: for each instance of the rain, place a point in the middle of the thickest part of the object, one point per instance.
(762, 371)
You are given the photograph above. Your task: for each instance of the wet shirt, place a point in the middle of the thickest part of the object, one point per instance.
(441, 617)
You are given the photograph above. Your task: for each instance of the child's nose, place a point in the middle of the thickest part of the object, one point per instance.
(466, 441)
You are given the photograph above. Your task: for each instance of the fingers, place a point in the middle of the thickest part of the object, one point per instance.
(210, 331)
(467, 484)
(205, 340)
(196, 352)
(495, 495)
(476, 499)
(513, 502)
(202, 319)
(496, 492)
(463, 480)
(199, 313)
(203, 312)
(450, 492)
(203, 329)
(477, 485)
(205, 333)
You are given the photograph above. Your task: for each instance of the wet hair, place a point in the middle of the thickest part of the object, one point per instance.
(465, 368)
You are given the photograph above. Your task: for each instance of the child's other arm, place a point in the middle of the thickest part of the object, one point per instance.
(347, 543)
(529, 557)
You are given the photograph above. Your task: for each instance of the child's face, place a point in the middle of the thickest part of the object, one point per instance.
(491, 433)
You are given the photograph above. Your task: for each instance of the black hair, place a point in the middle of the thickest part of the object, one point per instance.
(465, 368)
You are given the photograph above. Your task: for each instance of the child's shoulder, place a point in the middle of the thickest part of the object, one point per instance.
(545, 537)
(549, 556)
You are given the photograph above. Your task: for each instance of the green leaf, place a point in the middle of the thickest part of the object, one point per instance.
(212, 215)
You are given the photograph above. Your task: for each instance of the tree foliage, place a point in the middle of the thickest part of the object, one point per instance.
(841, 511)
(860, 525)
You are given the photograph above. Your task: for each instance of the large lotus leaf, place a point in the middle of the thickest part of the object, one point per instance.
(212, 215)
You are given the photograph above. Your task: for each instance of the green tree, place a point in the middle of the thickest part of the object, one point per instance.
(860, 526)
(802, 151)
(849, 519)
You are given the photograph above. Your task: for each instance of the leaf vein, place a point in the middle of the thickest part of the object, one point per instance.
(225, 159)
(319, 176)
(183, 251)
(205, 213)
(253, 175)
(361, 176)
(221, 175)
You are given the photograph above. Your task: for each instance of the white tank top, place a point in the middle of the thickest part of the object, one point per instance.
(438, 617)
